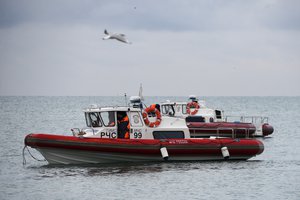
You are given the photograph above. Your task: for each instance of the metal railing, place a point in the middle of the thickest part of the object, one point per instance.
(249, 119)
(217, 132)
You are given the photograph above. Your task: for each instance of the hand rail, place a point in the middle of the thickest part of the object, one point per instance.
(262, 119)
(218, 129)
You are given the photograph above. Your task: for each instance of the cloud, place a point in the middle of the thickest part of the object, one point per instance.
(179, 48)
(156, 15)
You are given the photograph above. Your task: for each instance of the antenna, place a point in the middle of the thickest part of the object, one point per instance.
(125, 96)
(141, 92)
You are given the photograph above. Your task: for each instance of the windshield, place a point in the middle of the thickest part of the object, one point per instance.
(108, 118)
(93, 119)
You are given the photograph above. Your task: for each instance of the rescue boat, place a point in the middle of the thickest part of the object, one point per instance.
(205, 122)
(152, 137)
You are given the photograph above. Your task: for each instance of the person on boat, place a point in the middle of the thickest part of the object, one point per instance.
(153, 107)
(157, 106)
(123, 125)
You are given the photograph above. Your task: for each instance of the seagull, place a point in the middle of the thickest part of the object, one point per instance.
(117, 36)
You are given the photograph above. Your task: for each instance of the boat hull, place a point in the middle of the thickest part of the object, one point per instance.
(74, 150)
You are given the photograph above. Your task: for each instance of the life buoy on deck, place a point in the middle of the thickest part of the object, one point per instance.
(194, 105)
(152, 109)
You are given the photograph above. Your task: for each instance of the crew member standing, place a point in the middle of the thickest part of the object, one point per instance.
(123, 125)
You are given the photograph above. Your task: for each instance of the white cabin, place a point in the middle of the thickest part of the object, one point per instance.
(102, 122)
(204, 114)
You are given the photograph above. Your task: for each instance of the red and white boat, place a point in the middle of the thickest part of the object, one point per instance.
(205, 122)
(151, 138)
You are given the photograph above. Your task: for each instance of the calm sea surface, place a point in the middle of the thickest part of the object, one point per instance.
(275, 174)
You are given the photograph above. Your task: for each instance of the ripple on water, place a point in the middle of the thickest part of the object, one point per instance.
(274, 174)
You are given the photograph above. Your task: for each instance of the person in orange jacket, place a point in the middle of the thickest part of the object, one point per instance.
(157, 106)
(123, 125)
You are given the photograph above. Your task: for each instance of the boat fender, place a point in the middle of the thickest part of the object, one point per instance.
(267, 129)
(225, 152)
(164, 153)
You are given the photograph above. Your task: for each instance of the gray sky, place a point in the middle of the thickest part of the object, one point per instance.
(202, 47)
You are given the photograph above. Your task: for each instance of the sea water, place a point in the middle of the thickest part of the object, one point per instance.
(275, 174)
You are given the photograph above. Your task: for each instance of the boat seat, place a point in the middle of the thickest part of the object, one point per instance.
(195, 119)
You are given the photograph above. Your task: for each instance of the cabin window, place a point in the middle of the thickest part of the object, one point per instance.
(178, 107)
(165, 109)
(218, 114)
(93, 119)
(184, 109)
(108, 118)
(88, 120)
(135, 119)
(168, 110)
(168, 134)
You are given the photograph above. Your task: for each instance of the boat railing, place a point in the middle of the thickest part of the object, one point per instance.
(233, 135)
(247, 119)
(234, 131)
(218, 134)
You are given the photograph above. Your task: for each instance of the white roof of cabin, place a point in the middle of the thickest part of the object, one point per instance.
(116, 108)
(173, 103)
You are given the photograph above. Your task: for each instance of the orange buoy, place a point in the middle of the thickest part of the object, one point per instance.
(194, 105)
(152, 109)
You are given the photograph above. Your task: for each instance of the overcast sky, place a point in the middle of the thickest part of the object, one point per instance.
(202, 47)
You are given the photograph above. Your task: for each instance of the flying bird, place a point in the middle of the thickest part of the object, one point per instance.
(117, 36)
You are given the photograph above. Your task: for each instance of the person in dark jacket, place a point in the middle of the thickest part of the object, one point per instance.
(123, 125)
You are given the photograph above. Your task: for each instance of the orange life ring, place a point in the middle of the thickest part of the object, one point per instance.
(157, 113)
(194, 105)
